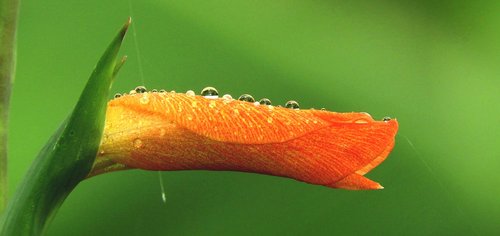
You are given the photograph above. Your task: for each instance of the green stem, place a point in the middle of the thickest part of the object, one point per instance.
(8, 25)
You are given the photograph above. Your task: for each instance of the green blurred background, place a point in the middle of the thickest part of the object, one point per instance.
(433, 66)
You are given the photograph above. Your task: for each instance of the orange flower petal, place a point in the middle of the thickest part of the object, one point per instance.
(169, 131)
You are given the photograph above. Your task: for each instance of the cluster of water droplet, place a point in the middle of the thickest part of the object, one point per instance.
(139, 89)
(212, 93)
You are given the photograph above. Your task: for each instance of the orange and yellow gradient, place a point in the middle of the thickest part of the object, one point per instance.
(177, 131)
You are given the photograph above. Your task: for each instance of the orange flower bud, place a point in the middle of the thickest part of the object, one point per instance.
(174, 131)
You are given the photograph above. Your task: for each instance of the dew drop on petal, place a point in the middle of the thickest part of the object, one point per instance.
(265, 101)
(246, 98)
(154, 90)
(210, 92)
(292, 104)
(211, 104)
(138, 143)
(117, 95)
(361, 121)
(132, 92)
(162, 91)
(366, 113)
(190, 93)
(386, 119)
(227, 97)
(140, 89)
(144, 99)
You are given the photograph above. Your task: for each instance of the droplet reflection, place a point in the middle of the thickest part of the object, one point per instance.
(292, 105)
(246, 98)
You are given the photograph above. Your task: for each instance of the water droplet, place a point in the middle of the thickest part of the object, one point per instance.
(190, 93)
(386, 119)
(246, 98)
(292, 104)
(132, 92)
(140, 89)
(269, 119)
(144, 99)
(162, 188)
(209, 92)
(265, 101)
(365, 113)
(162, 91)
(227, 98)
(361, 121)
(154, 90)
(138, 143)
(323, 109)
(211, 104)
(172, 91)
(117, 95)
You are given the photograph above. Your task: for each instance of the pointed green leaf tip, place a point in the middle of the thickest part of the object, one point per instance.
(68, 156)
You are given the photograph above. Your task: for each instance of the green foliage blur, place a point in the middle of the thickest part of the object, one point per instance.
(433, 66)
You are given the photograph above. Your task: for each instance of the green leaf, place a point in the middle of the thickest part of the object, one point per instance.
(67, 157)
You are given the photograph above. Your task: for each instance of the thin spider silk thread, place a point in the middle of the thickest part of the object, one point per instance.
(141, 74)
(136, 43)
